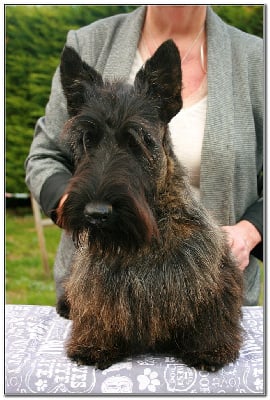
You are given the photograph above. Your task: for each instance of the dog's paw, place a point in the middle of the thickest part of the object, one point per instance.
(208, 367)
(202, 365)
(95, 357)
(100, 359)
(63, 307)
(210, 361)
(81, 359)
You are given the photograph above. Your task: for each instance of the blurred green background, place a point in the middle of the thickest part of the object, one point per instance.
(35, 36)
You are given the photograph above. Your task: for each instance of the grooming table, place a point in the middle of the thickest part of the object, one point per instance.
(36, 362)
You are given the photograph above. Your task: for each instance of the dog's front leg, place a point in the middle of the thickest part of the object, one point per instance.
(63, 306)
(91, 344)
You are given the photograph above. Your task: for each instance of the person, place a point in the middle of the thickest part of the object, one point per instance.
(218, 135)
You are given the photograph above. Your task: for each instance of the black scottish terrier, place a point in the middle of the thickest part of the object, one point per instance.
(152, 272)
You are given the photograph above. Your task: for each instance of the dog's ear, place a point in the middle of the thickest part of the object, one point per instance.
(76, 77)
(161, 78)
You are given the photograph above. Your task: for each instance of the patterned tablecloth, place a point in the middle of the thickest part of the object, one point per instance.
(36, 362)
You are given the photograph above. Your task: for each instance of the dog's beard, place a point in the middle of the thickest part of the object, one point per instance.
(130, 226)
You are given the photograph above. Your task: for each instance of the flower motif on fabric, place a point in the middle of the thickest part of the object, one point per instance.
(41, 385)
(148, 380)
(258, 384)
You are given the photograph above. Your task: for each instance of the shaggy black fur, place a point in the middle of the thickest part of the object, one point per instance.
(152, 272)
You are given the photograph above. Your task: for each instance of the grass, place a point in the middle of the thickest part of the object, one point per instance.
(26, 281)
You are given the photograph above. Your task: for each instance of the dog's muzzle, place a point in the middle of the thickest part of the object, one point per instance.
(96, 213)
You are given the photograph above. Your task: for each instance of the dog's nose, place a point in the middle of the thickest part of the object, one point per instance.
(97, 212)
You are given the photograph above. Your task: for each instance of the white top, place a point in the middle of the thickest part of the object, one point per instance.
(187, 128)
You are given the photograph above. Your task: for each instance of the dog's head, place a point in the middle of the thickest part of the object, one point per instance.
(120, 142)
(160, 80)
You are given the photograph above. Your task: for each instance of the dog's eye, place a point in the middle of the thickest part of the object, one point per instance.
(86, 141)
(134, 142)
(148, 139)
(91, 136)
(145, 138)
(140, 143)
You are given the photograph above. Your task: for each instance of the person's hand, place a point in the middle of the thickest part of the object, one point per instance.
(242, 238)
(59, 221)
(62, 200)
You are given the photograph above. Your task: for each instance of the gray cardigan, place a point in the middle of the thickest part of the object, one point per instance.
(232, 152)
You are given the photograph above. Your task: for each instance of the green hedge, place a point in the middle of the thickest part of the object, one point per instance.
(247, 18)
(35, 36)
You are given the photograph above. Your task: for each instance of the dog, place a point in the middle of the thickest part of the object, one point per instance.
(153, 271)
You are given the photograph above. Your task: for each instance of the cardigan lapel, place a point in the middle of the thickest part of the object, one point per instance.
(124, 46)
(217, 158)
